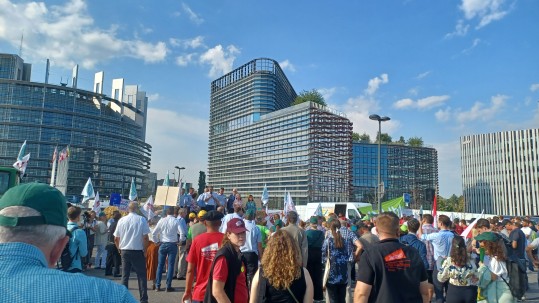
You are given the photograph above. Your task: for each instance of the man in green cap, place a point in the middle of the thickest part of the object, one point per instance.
(33, 234)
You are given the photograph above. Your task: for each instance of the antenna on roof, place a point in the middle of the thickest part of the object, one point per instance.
(20, 46)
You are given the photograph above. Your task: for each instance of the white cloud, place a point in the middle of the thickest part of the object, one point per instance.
(478, 112)
(286, 65)
(461, 29)
(359, 108)
(404, 103)
(481, 112)
(414, 91)
(167, 132)
(534, 87)
(443, 114)
(153, 97)
(186, 59)
(475, 43)
(422, 75)
(374, 84)
(327, 93)
(221, 60)
(422, 104)
(486, 11)
(68, 35)
(194, 17)
(193, 43)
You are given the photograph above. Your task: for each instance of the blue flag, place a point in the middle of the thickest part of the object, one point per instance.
(133, 191)
(166, 182)
(318, 211)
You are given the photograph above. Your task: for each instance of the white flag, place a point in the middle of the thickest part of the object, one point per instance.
(468, 229)
(97, 204)
(148, 208)
(21, 164)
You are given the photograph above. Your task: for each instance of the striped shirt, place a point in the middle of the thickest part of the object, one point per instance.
(25, 277)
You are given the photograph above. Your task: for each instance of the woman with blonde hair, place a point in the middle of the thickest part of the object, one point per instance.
(281, 278)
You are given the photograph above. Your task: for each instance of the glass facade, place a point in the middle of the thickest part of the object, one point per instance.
(404, 169)
(500, 172)
(256, 138)
(104, 144)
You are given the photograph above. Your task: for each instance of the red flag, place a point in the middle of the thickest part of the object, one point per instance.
(434, 207)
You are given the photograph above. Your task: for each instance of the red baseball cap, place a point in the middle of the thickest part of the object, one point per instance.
(236, 226)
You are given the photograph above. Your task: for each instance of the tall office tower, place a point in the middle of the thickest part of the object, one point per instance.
(257, 138)
(105, 135)
(404, 169)
(500, 172)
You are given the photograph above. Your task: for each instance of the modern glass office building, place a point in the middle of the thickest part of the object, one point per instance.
(257, 138)
(404, 169)
(500, 172)
(106, 135)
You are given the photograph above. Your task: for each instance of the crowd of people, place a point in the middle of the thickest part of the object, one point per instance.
(228, 250)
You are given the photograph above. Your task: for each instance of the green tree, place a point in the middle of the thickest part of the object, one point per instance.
(201, 182)
(312, 95)
(401, 140)
(355, 137)
(365, 138)
(385, 138)
(415, 141)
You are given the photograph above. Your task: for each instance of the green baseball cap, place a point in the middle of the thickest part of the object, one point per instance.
(47, 200)
(487, 236)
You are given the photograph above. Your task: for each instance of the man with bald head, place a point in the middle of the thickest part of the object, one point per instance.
(32, 238)
(131, 238)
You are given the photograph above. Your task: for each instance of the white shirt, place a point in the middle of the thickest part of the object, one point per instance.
(253, 237)
(226, 219)
(130, 230)
(168, 229)
(498, 268)
(211, 200)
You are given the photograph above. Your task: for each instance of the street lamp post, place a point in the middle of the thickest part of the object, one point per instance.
(179, 173)
(378, 191)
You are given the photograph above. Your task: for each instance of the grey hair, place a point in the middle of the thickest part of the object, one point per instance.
(38, 235)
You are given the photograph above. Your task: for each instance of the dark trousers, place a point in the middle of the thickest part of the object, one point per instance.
(336, 293)
(134, 259)
(251, 260)
(439, 287)
(113, 260)
(461, 294)
(91, 241)
(429, 275)
(314, 266)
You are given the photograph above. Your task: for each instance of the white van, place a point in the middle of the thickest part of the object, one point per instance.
(348, 209)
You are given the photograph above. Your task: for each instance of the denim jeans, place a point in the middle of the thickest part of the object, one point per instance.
(169, 250)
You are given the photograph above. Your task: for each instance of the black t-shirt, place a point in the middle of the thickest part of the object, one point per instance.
(517, 235)
(394, 270)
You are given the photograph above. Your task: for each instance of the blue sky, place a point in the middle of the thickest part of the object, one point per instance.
(439, 69)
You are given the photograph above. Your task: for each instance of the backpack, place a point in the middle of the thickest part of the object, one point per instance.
(518, 279)
(66, 259)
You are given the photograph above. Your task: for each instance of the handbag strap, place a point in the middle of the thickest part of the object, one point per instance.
(292, 294)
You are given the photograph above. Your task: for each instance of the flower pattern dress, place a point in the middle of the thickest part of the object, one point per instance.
(338, 260)
(459, 276)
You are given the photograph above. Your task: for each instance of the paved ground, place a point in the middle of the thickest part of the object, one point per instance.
(153, 296)
(160, 297)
